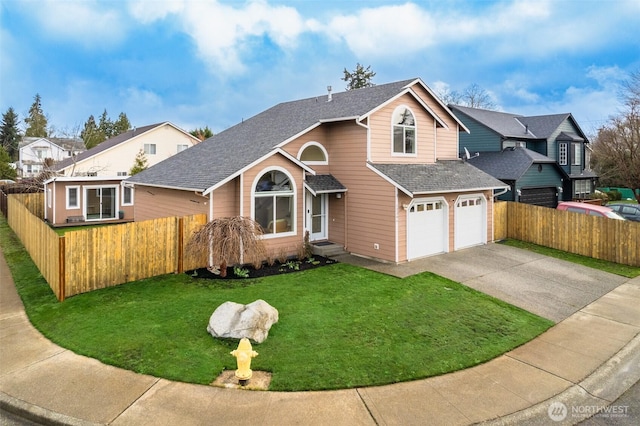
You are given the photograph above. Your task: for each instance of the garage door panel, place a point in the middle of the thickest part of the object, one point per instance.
(471, 225)
(545, 197)
(426, 229)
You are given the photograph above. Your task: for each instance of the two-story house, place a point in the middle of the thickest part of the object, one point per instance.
(544, 159)
(34, 152)
(88, 187)
(375, 170)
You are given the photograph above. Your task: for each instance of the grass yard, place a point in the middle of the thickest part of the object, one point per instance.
(603, 265)
(340, 326)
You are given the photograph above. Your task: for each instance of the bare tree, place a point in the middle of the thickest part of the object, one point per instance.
(616, 149)
(473, 96)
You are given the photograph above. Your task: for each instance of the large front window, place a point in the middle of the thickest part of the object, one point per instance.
(404, 131)
(274, 202)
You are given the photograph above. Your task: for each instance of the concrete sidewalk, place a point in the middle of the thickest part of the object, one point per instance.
(587, 360)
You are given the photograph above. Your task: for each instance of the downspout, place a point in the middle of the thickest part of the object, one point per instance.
(435, 141)
(500, 193)
(366, 126)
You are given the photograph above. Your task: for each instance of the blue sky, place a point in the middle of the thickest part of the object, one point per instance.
(213, 63)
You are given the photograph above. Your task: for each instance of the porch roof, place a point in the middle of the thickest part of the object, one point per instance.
(323, 184)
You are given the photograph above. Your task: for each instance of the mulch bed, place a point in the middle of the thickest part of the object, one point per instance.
(266, 270)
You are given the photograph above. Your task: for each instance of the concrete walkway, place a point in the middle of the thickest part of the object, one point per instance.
(585, 362)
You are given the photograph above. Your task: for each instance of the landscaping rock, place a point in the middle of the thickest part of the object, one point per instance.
(235, 321)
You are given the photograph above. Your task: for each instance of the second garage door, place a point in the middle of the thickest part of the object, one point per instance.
(545, 197)
(471, 221)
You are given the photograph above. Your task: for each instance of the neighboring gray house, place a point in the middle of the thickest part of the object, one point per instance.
(544, 159)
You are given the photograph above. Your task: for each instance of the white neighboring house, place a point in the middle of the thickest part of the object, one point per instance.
(116, 156)
(34, 151)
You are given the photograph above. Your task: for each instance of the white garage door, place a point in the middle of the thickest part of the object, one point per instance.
(471, 221)
(426, 228)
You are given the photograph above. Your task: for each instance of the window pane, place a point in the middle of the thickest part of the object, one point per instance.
(264, 211)
(127, 195)
(398, 139)
(410, 139)
(274, 181)
(312, 153)
(283, 213)
(73, 197)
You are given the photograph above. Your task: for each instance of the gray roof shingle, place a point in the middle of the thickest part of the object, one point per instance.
(510, 163)
(223, 155)
(442, 176)
(319, 184)
(103, 146)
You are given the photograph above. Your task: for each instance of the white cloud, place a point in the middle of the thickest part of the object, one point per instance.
(222, 33)
(88, 22)
(385, 30)
(146, 12)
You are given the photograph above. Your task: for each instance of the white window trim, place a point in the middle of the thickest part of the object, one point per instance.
(294, 213)
(563, 159)
(415, 128)
(314, 163)
(117, 200)
(122, 202)
(184, 146)
(149, 145)
(575, 158)
(77, 188)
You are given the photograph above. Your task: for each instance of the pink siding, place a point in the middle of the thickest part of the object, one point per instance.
(381, 133)
(154, 203)
(58, 213)
(370, 200)
(226, 199)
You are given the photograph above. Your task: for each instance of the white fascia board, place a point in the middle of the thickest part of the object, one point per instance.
(136, 184)
(438, 100)
(388, 179)
(417, 98)
(258, 161)
(84, 178)
(449, 191)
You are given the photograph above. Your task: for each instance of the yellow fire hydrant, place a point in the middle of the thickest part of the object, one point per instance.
(243, 355)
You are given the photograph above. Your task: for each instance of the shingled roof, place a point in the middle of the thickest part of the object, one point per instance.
(103, 146)
(510, 163)
(515, 125)
(442, 176)
(224, 155)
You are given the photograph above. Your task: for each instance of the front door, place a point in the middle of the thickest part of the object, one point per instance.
(317, 216)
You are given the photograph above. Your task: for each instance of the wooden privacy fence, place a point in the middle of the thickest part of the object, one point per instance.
(94, 258)
(598, 237)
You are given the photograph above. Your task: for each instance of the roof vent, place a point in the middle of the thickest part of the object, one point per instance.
(526, 129)
(329, 94)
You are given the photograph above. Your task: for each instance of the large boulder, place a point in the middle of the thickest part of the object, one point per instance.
(235, 321)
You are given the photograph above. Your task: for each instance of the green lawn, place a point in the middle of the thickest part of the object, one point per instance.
(603, 265)
(340, 326)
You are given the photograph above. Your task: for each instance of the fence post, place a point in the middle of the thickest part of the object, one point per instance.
(61, 268)
(180, 245)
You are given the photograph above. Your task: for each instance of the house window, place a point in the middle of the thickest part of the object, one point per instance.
(404, 131)
(127, 196)
(581, 188)
(92, 174)
(575, 154)
(73, 197)
(182, 147)
(274, 202)
(49, 197)
(123, 173)
(562, 154)
(313, 153)
(150, 148)
(514, 144)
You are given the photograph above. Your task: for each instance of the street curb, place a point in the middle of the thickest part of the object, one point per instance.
(600, 389)
(38, 414)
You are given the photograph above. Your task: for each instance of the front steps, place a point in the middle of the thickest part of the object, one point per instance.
(327, 249)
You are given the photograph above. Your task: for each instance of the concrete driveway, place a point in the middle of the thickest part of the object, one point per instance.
(549, 287)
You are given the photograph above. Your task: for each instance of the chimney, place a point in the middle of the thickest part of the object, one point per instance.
(526, 129)
(329, 94)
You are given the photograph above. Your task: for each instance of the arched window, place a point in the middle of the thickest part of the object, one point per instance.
(313, 153)
(404, 131)
(274, 202)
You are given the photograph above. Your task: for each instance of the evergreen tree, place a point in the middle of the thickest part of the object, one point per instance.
(9, 133)
(140, 163)
(91, 134)
(360, 77)
(6, 171)
(36, 121)
(202, 134)
(121, 125)
(105, 126)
